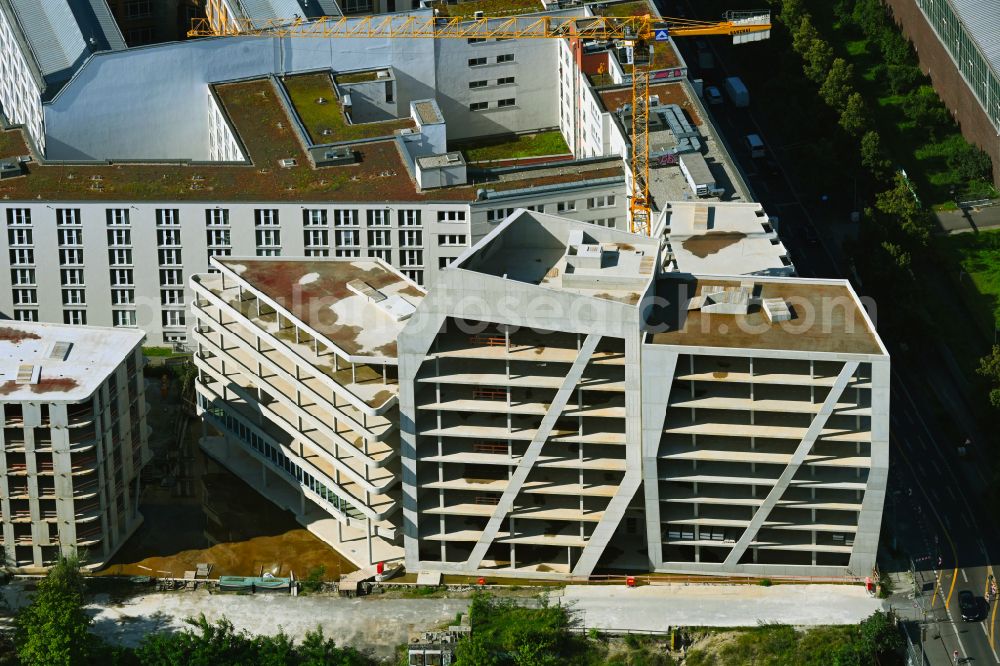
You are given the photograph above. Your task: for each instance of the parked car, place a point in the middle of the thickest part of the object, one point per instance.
(713, 95)
(967, 604)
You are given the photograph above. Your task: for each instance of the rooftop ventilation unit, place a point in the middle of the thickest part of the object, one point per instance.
(60, 350)
(28, 373)
(10, 169)
(382, 74)
(334, 156)
(394, 306)
(776, 310)
(288, 162)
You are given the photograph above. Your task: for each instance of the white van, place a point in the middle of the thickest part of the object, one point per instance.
(756, 146)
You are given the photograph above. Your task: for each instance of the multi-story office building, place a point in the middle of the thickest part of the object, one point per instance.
(150, 21)
(297, 374)
(566, 403)
(956, 41)
(343, 151)
(568, 407)
(74, 441)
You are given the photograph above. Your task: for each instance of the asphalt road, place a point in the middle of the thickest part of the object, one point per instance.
(935, 509)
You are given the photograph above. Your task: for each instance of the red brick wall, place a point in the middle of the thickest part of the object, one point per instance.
(947, 80)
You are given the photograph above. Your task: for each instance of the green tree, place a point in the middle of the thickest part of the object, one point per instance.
(902, 78)
(854, 115)
(970, 163)
(923, 107)
(792, 12)
(989, 367)
(899, 205)
(816, 60)
(804, 35)
(53, 629)
(836, 88)
(872, 156)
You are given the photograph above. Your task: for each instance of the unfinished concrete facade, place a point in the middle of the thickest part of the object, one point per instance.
(567, 408)
(297, 375)
(73, 444)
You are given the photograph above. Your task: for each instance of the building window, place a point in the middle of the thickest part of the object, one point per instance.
(347, 238)
(314, 218)
(268, 252)
(122, 296)
(565, 206)
(117, 217)
(476, 40)
(73, 297)
(71, 257)
(19, 236)
(23, 257)
(75, 317)
(477, 62)
(411, 238)
(70, 237)
(505, 57)
(415, 274)
(22, 276)
(505, 81)
(268, 238)
(167, 217)
(498, 214)
(604, 201)
(605, 222)
(538, 208)
(71, 276)
(451, 216)
(266, 217)
(218, 237)
(378, 217)
(479, 106)
(169, 257)
(316, 239)
(122, 277)
(172, 297)
(68, 217)
(344, 217)
(217, 217)
(384, 255)
(478, 84)
(380, 237)
(168, 237)
(18, 217)
(119, 237)
(451, 240)
(501, 103)
(120, 257)
(171, 276)
(347, 253)
(412, 257)
(25, 296)
(124, 318)
(444, 261)
(409, 218)
(135, 9)
(26, 315)
(173, 317)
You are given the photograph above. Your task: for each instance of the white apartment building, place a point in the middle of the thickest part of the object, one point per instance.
(73, 444)
(42, 44)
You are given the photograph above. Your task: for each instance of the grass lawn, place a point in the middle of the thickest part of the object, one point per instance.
(523, 145)
(489, 8)
(979, 256)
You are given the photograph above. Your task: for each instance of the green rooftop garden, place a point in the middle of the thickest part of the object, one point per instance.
(512, 147)
(357, 77)
(306, 90)
(489, 8)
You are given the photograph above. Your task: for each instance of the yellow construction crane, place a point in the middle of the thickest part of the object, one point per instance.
(640, 32)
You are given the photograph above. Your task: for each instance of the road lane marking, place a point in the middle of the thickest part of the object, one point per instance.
(992, 649)
(964, 577)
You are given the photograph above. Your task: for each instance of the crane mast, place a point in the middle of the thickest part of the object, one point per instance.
(639, 31)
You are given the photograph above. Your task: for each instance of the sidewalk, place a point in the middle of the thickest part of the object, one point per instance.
(659, 607)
